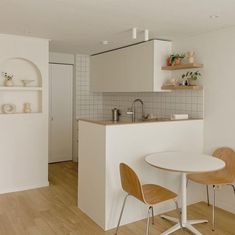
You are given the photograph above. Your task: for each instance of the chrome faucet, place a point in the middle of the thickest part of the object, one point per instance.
(132, 111)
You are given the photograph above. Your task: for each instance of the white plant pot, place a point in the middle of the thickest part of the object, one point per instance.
(9, 82)
(192, 82)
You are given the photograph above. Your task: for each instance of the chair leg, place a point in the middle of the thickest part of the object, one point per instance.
(213, 209)
(178, 212)
(207, 193)
(123, 206)
(233, 186)
(152, 215)
(147, 225)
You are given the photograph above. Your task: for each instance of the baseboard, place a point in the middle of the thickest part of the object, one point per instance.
(225, 206)
(162, 208)
(59, 160)
(23, 188)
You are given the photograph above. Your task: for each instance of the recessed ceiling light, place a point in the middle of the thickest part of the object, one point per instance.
(214, 16)
(105, 42)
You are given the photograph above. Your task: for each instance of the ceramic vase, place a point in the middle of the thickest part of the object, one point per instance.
(190, 55)
(177, 61)
(8, 82)
(192, 82)
(27, 108)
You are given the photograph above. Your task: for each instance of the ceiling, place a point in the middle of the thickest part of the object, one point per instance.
(78, 26)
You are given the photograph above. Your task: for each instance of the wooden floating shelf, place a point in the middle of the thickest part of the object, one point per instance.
(183, 66)
(19, 88)
(172, 87)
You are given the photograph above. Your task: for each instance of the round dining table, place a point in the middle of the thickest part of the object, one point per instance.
(184, 162)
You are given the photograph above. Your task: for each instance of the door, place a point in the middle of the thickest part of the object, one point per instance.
(60, 142)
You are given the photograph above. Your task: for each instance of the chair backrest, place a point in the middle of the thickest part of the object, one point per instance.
(130, 182)
(228, 156)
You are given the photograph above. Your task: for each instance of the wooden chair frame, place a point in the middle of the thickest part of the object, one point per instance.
(225, 176)
(131, 184)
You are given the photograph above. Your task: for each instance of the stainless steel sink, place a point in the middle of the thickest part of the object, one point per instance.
(154, 120)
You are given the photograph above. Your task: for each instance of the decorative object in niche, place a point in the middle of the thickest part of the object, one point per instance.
(26, 82)
(8, 108)
(190, 57)
(8, 79)
(27, 108)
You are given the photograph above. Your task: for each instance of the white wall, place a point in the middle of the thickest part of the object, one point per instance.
(61, 58)
(216, 50)
(24, 137)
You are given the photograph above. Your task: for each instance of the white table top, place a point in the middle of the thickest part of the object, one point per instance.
(185, 162)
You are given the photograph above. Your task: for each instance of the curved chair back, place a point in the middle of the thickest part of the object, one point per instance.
(130, 182)
(228, 156)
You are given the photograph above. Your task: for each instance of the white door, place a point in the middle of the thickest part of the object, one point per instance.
(60, 143)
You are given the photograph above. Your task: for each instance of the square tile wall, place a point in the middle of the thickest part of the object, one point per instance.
(88, 104)
(99, 105)
(160, 105)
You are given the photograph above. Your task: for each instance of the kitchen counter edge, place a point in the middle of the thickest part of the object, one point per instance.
(127, 122)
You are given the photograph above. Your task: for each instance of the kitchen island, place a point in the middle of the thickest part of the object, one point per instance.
(103, 145)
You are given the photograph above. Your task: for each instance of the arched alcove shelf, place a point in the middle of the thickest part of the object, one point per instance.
(23, 70)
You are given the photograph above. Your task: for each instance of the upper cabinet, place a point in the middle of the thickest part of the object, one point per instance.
(135, 68)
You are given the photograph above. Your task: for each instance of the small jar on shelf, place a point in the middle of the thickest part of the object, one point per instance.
(27, 108)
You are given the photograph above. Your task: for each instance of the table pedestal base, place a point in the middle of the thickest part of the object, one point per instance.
(187, 225)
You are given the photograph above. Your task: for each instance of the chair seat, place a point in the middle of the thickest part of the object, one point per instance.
(154, 194)
(210, 178)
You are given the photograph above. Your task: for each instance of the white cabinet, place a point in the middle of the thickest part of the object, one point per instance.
(136, 68)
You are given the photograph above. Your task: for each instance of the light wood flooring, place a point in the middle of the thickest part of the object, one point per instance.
(52, 211)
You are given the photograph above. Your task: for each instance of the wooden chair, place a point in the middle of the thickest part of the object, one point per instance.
(149, 194)
(226, 176)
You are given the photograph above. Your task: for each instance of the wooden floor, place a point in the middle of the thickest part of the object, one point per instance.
(52, 210)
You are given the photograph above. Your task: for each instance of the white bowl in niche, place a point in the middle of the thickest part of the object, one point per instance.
(8, 108)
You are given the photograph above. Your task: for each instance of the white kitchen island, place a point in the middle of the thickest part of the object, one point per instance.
(104, 145)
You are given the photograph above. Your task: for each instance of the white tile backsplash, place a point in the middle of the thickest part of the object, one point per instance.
(88, 104)
(156, 104)
(99, 105)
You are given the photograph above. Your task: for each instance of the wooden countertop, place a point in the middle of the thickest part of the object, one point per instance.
(126, 121)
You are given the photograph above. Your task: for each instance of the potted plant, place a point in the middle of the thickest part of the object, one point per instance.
(188, 77)
(8, 79)
(175, 59)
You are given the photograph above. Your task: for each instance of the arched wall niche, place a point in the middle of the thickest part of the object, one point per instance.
(18, 94)
(21, 69)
